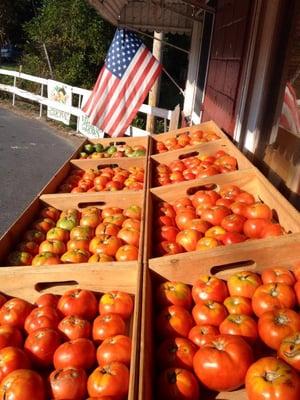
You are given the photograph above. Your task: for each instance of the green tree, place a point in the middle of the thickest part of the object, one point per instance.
(76, 38)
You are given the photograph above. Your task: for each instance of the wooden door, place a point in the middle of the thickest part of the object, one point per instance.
(228, 48)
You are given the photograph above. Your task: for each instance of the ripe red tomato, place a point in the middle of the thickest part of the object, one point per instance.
(79, 353)
(12, 358)
(199, 225)
(188, 239)
(184, 217)
(229, 191)
(105, 244)
(232, 237)
(177, 383)
(201, 334)
(105, 326)
(289, 350)
(245, 197)
(73, 327)
(275, 325)
(227, 353)
(41, 345)
(68, 383)
(114, 348)
(216, 232)
(209, 312)
(81, 303)
(177, 353)
(168, 248)
(272, 295)
(271, 230)
(278, 274)
(238, 305)
(271, 378)
(233, 223)
(174, 321)
(116, 302)
(42, 317)
(240, 324)
(215, 214)
(258, 210)
(243, 283)
(174, 293)
(208, 197)
(238, 208)
(209, 287)
(166, 232)
(10, 336)
(253, 227)
(14, 312)
(109, 380)
(47, 299)
(23, 384)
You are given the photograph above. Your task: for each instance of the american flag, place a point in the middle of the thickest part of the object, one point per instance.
(290, 115)
(127, 76)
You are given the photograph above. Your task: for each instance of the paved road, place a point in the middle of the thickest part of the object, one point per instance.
(30, 153)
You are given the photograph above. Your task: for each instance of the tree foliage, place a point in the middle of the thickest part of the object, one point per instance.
(76, 38)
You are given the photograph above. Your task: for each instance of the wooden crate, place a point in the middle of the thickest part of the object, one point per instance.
(124, 140)
(101, 200)
(84, 165)
(204, 149)
(205, 126)
(250, 180)
(265, 254)
(29, 283)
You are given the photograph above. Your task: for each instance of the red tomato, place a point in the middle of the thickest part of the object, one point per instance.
(168, 248)
(129, 236)
(10, 336)
(198, 224)
(226, 354)
(271, 230)
(105, 244)
(274, 326)
(297, 291)
(232, 237)
(253, 227)
(209, 312)
(239, 324)
(208, 197)
(278, 274)
(166, 232)
(289, 350)
(109, 380)
(41, 345)
(14, 312)
(128, 252)
(42, 317)
(209, 288)
(176, 353)
(174, 321)
(201, 334)
(73, 327)
(183, 217)
(105, 326)
(270, 378)
(46, 258)
(177, 383)
(230, 191)
(68, 383)
(12, 358)
(233, 223)
(79, 353)
(81, 303)
(215, 214)
(238, 305)
(245, 197)
(243, 283)
(258, 210)
(23, 384)
(271, 296)
(174, 293)
(238, 208)
(116, 302)
(188, 239)
(216, 232)
(47, 299)
(114, 348)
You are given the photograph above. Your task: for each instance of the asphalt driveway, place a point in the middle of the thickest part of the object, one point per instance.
(30, 153)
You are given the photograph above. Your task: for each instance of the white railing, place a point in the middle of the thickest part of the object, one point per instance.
(166, 115)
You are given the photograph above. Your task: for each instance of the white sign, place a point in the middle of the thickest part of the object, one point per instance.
(62, 94)
(84, 125)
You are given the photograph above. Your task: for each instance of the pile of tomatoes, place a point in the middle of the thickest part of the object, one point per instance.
(107, 179)
(65, 347)
(196, 167)
(219, 336)
(70, 236)
(185, 139)
(211, 218)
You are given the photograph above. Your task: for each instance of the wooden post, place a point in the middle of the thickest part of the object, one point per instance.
(155, 90)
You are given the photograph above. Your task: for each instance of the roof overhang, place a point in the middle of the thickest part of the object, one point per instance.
(174, 16)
